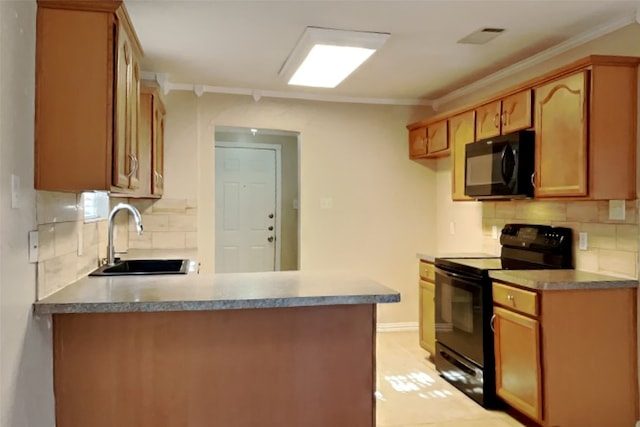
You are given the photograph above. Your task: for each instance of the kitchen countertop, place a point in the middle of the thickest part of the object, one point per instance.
(190, 292)
(561, 280)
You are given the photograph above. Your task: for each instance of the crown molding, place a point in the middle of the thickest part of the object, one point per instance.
(580, 39)
(167, 86)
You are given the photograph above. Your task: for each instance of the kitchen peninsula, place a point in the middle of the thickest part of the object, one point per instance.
(268, 349)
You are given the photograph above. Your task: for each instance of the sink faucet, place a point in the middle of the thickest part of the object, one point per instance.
(136, 216)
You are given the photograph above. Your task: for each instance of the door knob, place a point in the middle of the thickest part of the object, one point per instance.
(270, 239)
(271, 215)
(270, 228)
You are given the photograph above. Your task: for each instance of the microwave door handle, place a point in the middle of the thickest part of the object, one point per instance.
(503, 159)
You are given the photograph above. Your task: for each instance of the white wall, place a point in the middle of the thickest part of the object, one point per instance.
(26, 397)
(383, 204)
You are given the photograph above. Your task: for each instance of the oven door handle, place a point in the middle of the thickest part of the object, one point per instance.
(458, 364)
(456, 275)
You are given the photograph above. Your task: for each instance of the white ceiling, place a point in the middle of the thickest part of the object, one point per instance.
(239, 46)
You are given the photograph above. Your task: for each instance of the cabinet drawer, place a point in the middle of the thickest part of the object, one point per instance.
(427, 271)
(517, 299)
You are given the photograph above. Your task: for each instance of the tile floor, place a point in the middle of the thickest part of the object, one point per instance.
(411, 394)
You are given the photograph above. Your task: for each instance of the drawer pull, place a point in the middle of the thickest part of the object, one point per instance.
(510, 298)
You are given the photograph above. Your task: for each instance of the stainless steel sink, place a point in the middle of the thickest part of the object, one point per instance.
(143, 267)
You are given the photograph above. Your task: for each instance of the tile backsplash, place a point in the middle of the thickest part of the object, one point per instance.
(612, 244)
(70, 248)
(168, 224)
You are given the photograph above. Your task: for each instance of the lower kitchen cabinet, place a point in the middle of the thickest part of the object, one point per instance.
(427, 318)
(567, 357)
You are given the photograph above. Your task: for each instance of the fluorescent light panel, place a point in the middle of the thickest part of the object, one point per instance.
(325, 57)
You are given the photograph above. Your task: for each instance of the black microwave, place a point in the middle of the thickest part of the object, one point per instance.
(500, 167)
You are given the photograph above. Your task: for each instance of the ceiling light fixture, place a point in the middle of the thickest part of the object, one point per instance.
(324, 57)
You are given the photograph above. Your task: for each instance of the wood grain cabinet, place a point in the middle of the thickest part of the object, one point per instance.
(429, 141)
(87, 97)
(585, 126)
(567, 358)
(509, 114)
(461, 133)
(152, 116)
(427, 317)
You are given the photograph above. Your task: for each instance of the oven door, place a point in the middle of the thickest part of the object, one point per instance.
(459, 314)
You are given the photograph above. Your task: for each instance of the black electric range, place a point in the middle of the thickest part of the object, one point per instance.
(464, 303)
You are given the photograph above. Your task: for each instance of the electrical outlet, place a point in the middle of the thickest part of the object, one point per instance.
(452, 228)
(582, 244)
(494, 232)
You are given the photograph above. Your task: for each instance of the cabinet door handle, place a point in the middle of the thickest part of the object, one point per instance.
(533, 179)
(133, 165)
(505, 116)
(496, 120)
(493, 323)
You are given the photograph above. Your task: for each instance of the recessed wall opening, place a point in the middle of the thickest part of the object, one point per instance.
(256, 200)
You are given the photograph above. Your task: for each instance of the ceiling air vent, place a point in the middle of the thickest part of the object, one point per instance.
(481, 36)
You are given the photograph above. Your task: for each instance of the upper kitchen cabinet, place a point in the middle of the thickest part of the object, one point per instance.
(585, 124)
(152, 113)
(430, 141)
(87, 97)
(461, 133)
(503, 116)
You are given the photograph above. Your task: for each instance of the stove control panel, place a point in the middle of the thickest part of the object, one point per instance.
(541, 237)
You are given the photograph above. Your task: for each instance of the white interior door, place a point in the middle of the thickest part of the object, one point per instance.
(245, 210)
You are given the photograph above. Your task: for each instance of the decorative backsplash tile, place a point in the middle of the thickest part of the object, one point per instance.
(612, 244)
(168, 224)
(70, 248)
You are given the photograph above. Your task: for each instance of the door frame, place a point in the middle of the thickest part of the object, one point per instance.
(277, 148)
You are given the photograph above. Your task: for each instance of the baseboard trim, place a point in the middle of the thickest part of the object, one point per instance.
(396, 327)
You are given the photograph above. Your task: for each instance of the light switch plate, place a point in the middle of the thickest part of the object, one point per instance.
(617, 210)
(326, 203)
(494, 232)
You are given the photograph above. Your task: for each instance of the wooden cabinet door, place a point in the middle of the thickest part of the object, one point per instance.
(517, 348)
(488, 120)
(437, 138)
(418, 143)
(427, 324)
(158, 149)
(561, 137)
(517, 112)
(134, 107)
(461, 132)
(124, 75)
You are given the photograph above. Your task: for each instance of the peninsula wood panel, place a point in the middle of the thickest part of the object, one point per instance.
(302, 366)
(461, 133)
(561, 137)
